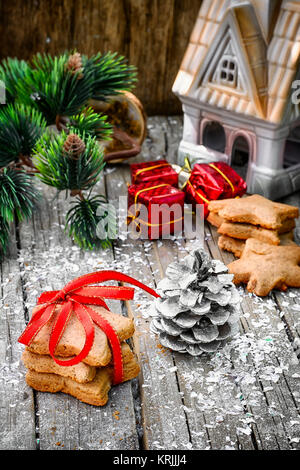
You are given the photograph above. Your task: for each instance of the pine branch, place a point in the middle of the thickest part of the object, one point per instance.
(17, 195)
(111, 75)
(60, 169)
(4, 237)
(54, 89)
(20, 128)
(90, 123)
(62, 86)
(13, 72)
(82, 221)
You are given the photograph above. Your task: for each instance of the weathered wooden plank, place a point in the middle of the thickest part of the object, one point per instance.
(52, 259)
(244, 397)
(289, 302)
(17, 417)
(215, 412)
(199, 424)
(289, 305)
(164, 419)
(152, 34)
(276, 368)
(281, 435)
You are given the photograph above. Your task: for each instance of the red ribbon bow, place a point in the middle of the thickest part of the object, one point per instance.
(75, 297)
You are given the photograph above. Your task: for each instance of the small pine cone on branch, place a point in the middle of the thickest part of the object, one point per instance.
(74, 65)
(74, 146)
(198, 307)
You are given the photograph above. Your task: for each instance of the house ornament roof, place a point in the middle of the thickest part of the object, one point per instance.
(243, 60)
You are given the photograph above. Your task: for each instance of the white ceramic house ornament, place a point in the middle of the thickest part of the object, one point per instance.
(239, 83)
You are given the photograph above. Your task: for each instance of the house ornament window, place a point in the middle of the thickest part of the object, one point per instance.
(228, 71)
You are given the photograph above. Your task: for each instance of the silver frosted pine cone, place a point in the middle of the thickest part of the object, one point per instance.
(198, 307)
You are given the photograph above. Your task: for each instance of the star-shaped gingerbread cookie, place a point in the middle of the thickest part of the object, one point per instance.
(264, 267)
(256, 210)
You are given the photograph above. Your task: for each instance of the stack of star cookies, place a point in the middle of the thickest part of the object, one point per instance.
(255, 217)
(90, 380)
(260, 233)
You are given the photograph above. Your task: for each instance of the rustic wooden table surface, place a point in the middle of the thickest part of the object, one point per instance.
(246, 396)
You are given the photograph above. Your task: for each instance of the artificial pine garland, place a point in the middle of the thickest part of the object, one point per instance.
(12, 72)
(53, 89)
(111, 75)
(18, 196)
(91, 124)
(57, 91)
(20, 128)
(4, 237)
(59, 165)
(82, 222)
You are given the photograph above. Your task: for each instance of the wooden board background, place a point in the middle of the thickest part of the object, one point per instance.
(153, 34)
(246, 396)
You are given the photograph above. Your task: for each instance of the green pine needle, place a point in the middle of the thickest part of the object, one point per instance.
(13, 72)
(53, 89)
(111, 75)
(17, 195)
(82, 222)
(20, 128)
(58, 169)
(4, 237)
(42, 94)
(91, 124)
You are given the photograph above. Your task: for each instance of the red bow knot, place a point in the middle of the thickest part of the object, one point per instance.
(76, 297)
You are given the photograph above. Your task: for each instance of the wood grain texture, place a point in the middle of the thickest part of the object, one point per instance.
(62, 422)
(152, 34)
(17, 423)
(164, 419)
(246, 396)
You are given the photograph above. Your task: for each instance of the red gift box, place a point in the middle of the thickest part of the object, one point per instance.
(196, 196)
(159, 170)
(156, 209)
(212, 181)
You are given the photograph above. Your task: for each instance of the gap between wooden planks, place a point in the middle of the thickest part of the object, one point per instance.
(271, 431)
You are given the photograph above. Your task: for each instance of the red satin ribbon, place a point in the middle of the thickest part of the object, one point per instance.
(75, 297)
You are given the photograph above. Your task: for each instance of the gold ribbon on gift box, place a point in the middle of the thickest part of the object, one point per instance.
(142, 170)
(134, 217)
(187, 168)
(224, 176)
